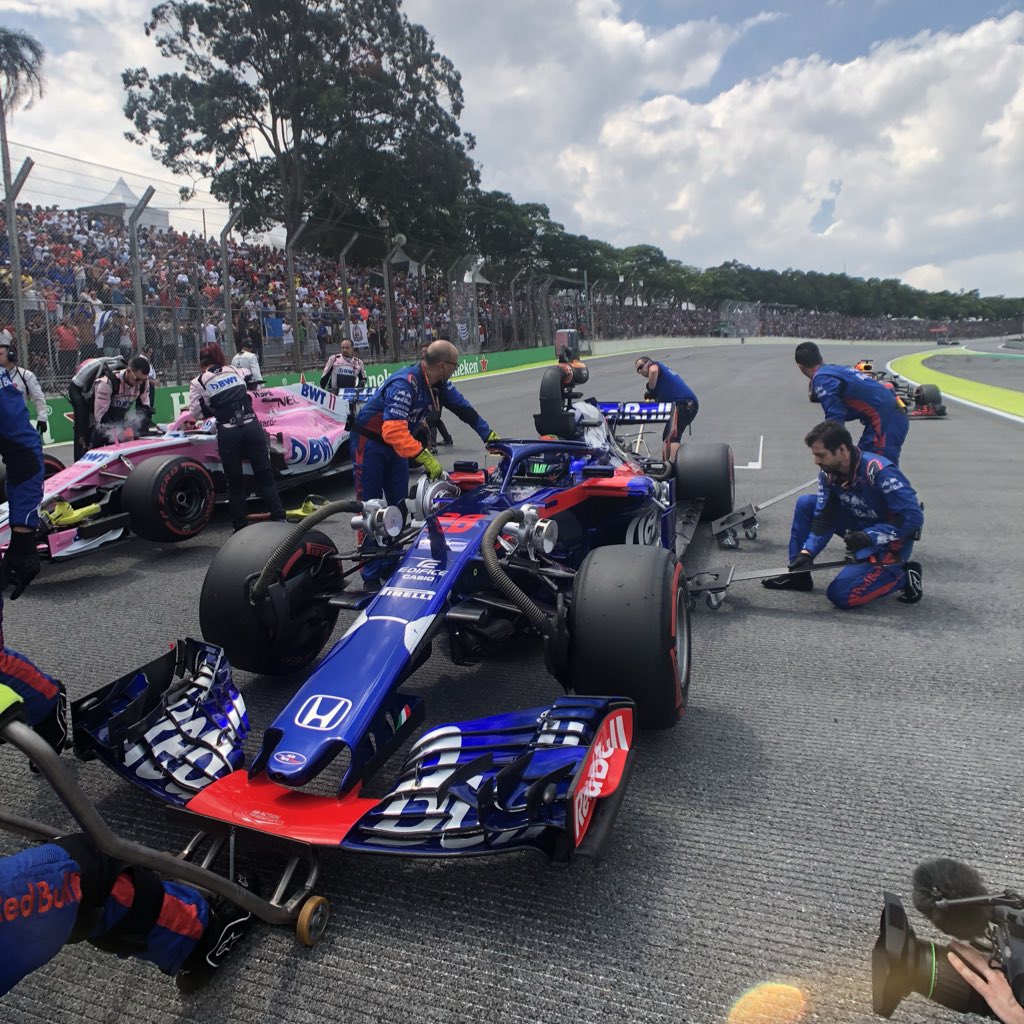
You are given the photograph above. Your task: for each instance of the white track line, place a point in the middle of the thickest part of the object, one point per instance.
(760, 454)
(963, 401)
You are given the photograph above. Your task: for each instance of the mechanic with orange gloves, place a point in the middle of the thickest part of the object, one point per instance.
(849, 394)
(385, 427)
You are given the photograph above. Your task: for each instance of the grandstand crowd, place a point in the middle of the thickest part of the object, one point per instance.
(79, 302)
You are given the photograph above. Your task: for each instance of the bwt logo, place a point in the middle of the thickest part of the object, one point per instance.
(323, 712)
(316, 451)
(318, 395)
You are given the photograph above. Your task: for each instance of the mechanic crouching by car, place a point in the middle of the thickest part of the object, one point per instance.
(67, 890)
(665, 385)
(848, 394)
(220, 391)
(45, 705)
(122, 405)
(386, 426)
(868, 499)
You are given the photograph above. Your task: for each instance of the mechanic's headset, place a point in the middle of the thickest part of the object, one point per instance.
(12, 350)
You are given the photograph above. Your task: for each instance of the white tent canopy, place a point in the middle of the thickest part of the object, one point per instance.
(120, 201)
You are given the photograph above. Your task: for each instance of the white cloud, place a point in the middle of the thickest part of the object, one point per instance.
(609, 123)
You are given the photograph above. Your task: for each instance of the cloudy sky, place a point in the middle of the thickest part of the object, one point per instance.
(880, 137)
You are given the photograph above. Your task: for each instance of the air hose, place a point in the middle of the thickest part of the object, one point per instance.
(287, 546)
(501, 579)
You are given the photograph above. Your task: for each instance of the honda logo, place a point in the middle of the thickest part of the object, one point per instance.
(323, 712)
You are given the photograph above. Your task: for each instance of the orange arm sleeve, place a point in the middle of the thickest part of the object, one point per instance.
(396, 433)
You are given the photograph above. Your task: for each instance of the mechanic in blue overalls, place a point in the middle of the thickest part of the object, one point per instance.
(867, 498)
(848, 394)
(665, 385)
(220, 391)
(384, 432)
(22, 453)
(67, 890)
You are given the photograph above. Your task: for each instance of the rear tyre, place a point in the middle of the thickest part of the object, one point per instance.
(706, 471)
(272, 638)
(51, 465)
(629, 628)
(169, 499)
(928, 394)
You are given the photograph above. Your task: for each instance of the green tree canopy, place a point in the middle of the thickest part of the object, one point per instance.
(332, 109)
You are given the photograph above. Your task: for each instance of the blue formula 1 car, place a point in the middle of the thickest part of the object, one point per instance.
(569, 537)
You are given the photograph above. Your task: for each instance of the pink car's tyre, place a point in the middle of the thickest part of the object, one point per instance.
(289, 628)
(52, 465)
(168, 499)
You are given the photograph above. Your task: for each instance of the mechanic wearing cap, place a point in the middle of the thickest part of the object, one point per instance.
(665, 385)
(386, 425)
(220, 391)
(867, 498)
(848, 394)
(25, 381)
(67, 890)
(22, 452)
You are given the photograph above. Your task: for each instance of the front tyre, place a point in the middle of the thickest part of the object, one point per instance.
(169, 499)
(277, 636)
(629, 628)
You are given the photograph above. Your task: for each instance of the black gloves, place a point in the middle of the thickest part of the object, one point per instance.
(41, 426)
(857, 540)
(21, 563)
(802, 562)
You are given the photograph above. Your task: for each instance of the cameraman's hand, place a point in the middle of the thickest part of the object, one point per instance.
(989, 983)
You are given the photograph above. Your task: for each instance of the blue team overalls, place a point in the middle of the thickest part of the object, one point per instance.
(877, 499)
(22, 454)
(378, 470)
(847, 394)
(670, 387)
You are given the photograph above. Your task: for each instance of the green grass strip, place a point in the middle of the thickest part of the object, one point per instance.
(988, 395)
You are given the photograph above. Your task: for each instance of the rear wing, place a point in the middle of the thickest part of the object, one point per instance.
(622, 413)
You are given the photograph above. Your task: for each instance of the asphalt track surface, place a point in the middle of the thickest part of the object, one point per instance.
(999, 369)
(824, 754)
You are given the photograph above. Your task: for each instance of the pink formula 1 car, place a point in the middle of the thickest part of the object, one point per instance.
(163, 487)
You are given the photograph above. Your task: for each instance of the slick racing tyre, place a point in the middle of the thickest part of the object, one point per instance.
(168, 499)
(928, 394)
(629, 628)
(706, 471)
(287, 629)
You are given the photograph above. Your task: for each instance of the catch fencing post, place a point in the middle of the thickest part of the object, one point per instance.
(343, 268)
(294, 312)
(12, 237)
(133, 236)
(225, 270)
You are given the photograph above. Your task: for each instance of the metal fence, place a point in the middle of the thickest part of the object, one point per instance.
(111, 261)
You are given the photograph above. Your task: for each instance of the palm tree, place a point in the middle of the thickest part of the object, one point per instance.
(21, 84)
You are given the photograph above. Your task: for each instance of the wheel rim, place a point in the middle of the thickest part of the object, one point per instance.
(188, 500)
(680, 644)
